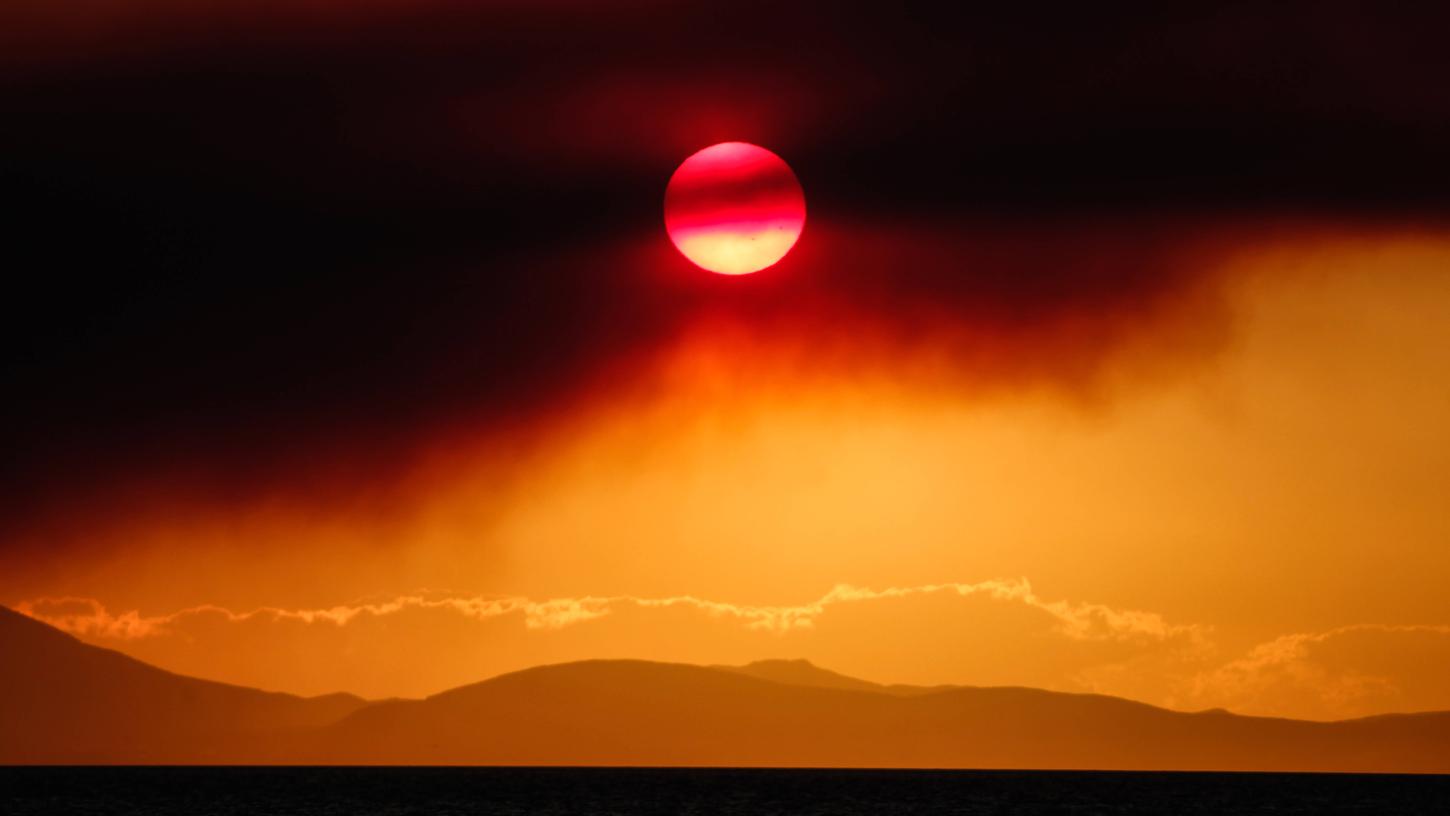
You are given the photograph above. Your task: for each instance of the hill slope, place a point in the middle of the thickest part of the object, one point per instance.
(640, 713)
(805, 673)
(62, 701)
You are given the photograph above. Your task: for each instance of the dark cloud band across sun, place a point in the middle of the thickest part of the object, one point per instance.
(980, 309)
(341, 237)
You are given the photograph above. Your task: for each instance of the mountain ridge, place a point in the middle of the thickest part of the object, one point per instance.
(65, 701)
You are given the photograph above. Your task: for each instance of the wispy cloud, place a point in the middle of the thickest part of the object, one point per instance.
(1342, 672)
(1346, 671)
(1074, 620)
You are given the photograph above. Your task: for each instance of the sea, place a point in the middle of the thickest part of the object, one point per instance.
(222, 791)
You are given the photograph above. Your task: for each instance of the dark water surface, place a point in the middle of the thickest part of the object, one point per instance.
(442, 791)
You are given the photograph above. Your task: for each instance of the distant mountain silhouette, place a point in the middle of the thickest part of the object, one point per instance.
(61, 700)
(805, 673)
(623, 712)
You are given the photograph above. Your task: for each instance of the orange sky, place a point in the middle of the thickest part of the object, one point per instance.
(1241, 506)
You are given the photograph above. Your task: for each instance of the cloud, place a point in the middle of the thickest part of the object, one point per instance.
(446, 245)
(366, 645)
(88, 617)
(991, 632)
(1073, 620)
(1349, 671)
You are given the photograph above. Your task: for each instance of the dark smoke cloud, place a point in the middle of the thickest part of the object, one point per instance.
(259, 246)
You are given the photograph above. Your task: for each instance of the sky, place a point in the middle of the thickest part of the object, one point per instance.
(347, 350)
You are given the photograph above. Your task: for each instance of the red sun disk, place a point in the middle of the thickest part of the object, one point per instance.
(734, 208)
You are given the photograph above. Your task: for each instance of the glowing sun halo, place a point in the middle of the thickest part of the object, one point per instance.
(734, 208)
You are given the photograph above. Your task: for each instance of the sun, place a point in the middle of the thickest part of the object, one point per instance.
(734, 208)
